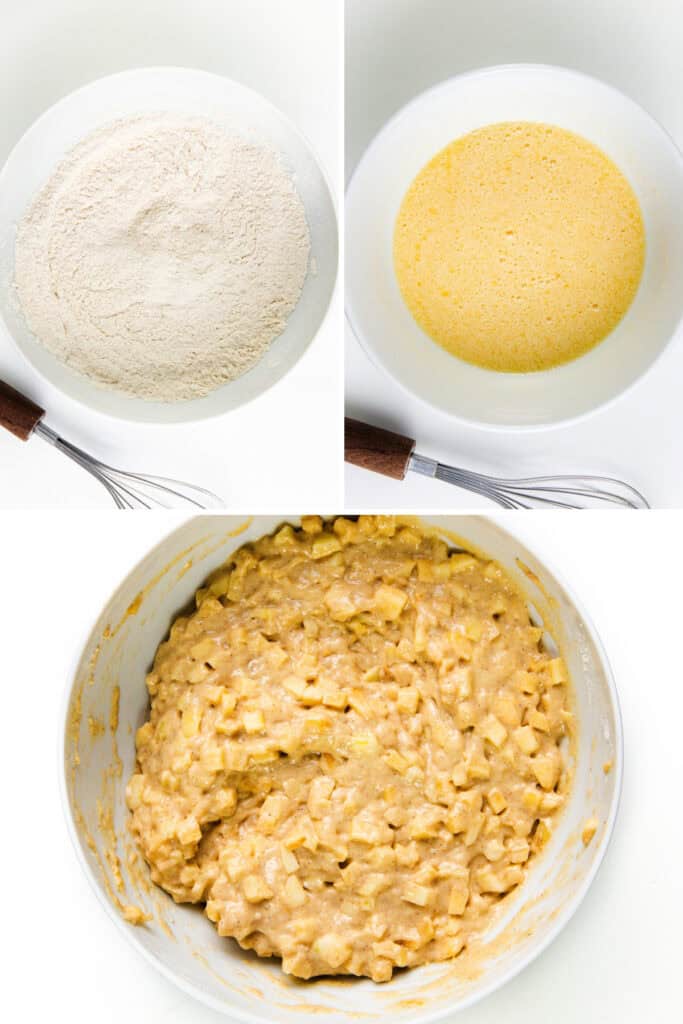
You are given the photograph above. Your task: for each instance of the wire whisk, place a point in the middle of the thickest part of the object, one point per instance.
(568, 491)
(24, 419)
(394, 455)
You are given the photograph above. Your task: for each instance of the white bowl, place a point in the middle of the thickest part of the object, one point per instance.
(180, 90)
(118, 652)
(381, 320)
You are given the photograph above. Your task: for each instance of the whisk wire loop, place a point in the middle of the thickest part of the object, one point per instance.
(132, 490)
(561, 492)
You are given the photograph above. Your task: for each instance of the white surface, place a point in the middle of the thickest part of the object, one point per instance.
(616, 962)
(398, 48)
(261, 455)
(195, 957)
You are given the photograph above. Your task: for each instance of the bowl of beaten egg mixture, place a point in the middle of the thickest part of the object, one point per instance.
(330, 766)
(514, 245)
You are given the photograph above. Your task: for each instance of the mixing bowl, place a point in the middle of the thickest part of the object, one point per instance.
(639, 147)
(186, 91)
(179, 940)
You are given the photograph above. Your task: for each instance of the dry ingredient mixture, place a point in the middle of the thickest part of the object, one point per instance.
(163, 256)
(519, 247)
(356, 745)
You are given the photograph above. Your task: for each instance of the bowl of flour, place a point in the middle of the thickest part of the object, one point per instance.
(168, 245)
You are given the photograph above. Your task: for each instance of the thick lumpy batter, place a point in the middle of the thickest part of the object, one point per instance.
(519, 247)
(355, 747)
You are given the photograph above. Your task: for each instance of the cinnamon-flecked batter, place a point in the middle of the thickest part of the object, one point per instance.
(354, 749)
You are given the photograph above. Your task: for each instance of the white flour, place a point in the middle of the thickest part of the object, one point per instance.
(163, 256)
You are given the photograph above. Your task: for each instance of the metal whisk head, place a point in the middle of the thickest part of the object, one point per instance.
(537, 492)
(132, 490)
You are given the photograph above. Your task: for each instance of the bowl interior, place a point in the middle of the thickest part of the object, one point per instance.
(119, 651)
(381, 320)
(179, 90)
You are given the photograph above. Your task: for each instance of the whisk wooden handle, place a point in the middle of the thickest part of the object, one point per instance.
(18, 414)
(376, 449)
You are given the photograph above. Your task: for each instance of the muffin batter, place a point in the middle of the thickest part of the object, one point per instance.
(354, 749)
(519, 247)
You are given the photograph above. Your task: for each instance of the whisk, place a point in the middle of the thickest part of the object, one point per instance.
(394, 455)
(24, 419)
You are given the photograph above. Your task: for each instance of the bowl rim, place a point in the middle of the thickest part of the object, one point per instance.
(560, 921)
(368, 346)
(138, 418)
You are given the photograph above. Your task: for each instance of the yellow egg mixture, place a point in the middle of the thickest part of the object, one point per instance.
(519, 247)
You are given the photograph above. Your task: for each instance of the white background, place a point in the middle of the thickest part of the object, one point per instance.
(617, 962)
(397, 49)
(285, 446)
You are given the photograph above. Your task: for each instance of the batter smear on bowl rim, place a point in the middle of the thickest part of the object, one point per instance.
(357, 744)
(519, 247)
